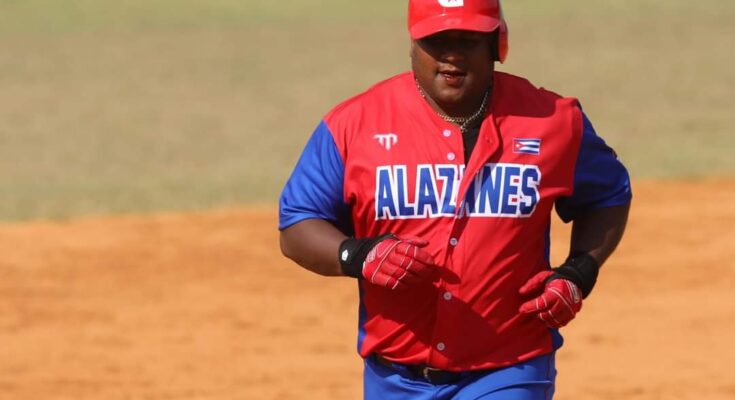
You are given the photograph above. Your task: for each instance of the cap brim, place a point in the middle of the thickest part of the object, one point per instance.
(440, 23)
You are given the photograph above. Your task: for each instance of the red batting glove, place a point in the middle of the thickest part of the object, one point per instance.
(398, 263)
(558, 301)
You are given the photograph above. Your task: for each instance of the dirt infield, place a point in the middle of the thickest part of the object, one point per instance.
(202, 306)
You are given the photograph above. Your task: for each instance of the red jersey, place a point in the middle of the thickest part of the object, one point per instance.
(384, 161)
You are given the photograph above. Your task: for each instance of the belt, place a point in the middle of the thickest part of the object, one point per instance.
(432, 375)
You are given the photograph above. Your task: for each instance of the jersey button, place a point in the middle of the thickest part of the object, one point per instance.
(453, 241)
(451, 156)
(447, 133)
(440, 346)
(447, 296)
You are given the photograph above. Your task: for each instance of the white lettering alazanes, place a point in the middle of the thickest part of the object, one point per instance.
(498, 190)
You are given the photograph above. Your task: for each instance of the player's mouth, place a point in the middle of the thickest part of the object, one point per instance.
(452, 77)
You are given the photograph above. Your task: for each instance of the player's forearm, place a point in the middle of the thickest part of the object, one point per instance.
(313, 244)
(598, 232)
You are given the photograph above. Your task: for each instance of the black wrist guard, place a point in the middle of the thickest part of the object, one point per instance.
(581, 269)
(352, 253)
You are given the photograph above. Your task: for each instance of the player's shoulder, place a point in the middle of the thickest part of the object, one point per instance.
(505, 79)
(368, 110)
(378, 95)
(525, 94)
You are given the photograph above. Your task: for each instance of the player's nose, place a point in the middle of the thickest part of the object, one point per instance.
(452, 55)
(453, 58)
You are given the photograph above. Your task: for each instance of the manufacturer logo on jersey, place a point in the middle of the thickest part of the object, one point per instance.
(498, 190)
(527, 146)
(451, 3)
(387, 140)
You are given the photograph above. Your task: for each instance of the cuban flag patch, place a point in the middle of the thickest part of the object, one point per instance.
(527, 146)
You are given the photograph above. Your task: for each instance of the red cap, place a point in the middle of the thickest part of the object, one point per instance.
(427, 17)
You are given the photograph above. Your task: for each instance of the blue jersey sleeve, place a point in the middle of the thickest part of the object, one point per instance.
(315, 188)
(600, 179)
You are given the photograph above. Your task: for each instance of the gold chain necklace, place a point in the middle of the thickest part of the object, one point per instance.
(463, 122)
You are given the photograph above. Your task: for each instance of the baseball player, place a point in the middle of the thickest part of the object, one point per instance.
(434, 189)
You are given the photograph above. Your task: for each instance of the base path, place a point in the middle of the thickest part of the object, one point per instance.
(202, 306)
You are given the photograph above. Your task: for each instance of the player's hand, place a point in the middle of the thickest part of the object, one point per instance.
(558, 300)
(398, 263)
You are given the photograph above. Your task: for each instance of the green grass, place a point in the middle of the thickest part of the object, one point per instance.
(134, 105)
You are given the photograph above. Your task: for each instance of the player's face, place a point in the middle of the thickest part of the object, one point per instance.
(454, 68)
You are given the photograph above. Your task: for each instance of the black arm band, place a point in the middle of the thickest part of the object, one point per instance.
(352, 253)
(581, 269)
